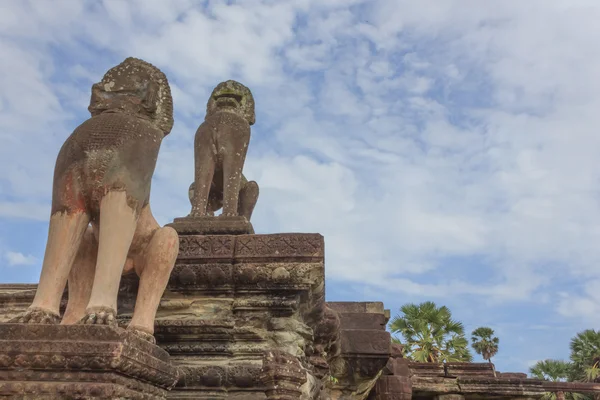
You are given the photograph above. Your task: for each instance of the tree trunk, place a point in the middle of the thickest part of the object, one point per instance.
(493, 367)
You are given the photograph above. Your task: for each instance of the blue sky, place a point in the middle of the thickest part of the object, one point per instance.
(447, 150)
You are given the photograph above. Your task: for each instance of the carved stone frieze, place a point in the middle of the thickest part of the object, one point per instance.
(217, 248)
(213, 277)
(242, 375)
(297, 247)
(224, 277)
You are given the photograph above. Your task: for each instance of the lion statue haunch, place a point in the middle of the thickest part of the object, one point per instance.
(102, 177)
(220, 148)
(247, 198)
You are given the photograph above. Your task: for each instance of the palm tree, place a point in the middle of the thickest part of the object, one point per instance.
(554, 371)
(585, 355)
(430, 334)
(485, 343)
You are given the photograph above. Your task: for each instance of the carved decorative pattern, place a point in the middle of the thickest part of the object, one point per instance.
(206, 247)
(278, 276)
(294, 245)
(222, 248)
(237, 375)
(211, 276)
(203, 348)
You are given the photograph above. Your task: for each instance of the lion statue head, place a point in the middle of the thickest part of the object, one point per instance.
(138, 88)
(234, 97)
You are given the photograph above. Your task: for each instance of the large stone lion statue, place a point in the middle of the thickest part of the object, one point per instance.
(101, 225)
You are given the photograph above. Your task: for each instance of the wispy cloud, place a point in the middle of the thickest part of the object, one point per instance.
(16, 258)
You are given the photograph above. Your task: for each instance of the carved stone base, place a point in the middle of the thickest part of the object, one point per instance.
(208, 225)
(283, 375)
(230, 299)
(81, 362)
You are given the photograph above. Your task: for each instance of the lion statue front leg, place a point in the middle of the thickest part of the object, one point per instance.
(152, 256)
(153, 262)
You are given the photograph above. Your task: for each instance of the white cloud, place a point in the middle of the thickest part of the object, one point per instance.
(16, 258)
(585, 303)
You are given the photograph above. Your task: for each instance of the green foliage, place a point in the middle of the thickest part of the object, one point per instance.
(585, 356)
(584, 365)
(430, 334)
(555, 371)
(551, 370)
(484, 342)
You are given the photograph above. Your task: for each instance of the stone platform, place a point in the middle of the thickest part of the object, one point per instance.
(233, 302)
(81, 362)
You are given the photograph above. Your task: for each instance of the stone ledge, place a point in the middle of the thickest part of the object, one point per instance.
(452, 369)
(209, 225)
(47, 359)
(344, 307)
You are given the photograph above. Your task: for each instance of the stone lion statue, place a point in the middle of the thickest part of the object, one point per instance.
(220, 147)
(101, 225)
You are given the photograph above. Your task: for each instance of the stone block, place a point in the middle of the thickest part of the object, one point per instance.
(81, 361)
(362, 321)
(393, 388)
(365, 342)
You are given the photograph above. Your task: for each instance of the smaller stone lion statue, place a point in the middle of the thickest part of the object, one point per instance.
(220, 147)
